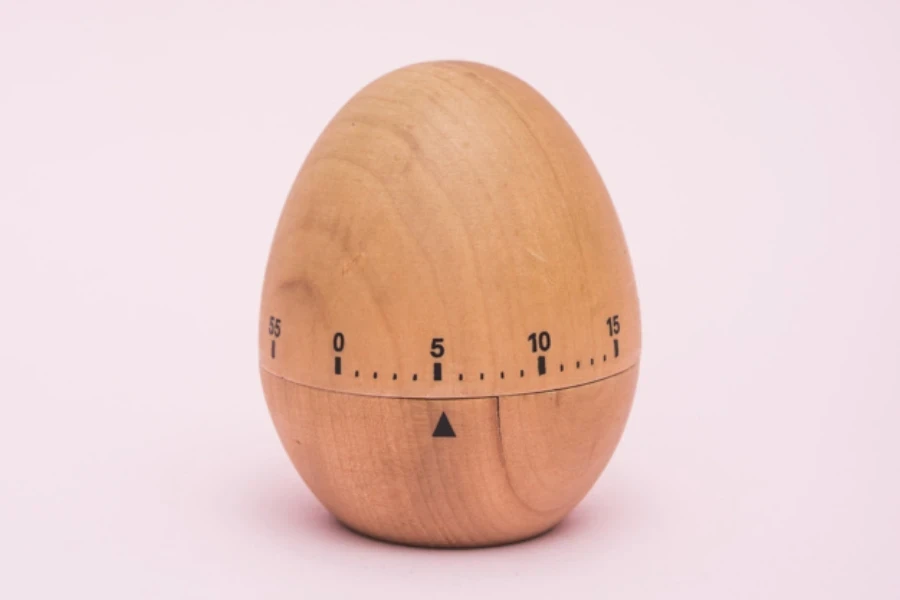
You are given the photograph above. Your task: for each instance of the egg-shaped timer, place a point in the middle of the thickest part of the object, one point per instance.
(449, 332)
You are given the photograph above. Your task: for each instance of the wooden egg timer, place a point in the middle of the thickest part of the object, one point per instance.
(449, 334)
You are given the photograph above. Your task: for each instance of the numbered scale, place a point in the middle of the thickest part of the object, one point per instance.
(449, 330)
(364, 375)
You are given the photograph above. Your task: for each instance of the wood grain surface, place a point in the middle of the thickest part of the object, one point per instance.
(448, 201)
(514, 468)
(448, 248)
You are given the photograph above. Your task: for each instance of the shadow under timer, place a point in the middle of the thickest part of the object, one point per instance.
(449, 332)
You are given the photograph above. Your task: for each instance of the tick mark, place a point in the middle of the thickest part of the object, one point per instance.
(616, 348)
(592, 360)
(356, 374)
(604, 358)
(521, 372)
(460, 377)
(502, 375)
(482, 375)
(415, 376)
(542, 365)
(394, 377)
(273, 348)
(337, 365)
(438, 373)
(562, 368)
(375, 375)
(577, 364)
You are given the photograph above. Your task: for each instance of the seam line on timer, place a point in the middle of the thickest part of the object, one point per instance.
(472, 397)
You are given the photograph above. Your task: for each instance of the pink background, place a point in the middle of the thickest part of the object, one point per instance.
(752, 150)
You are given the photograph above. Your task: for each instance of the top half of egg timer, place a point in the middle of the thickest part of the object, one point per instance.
(448, 236)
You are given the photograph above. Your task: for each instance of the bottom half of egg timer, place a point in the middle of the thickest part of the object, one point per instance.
(451, 472)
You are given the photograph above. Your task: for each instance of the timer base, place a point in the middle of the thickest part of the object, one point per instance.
(451, 472)
(386, 540)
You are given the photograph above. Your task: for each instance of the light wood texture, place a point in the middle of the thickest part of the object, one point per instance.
(448, 200)
(449, 245)
(517, 465)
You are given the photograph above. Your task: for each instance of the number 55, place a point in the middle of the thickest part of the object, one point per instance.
(274, 326)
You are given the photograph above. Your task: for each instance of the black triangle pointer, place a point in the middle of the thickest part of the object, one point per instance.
(443, 429)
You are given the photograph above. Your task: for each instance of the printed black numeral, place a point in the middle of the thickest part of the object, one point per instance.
(539, 341)
(274, 326)
(613, 324)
